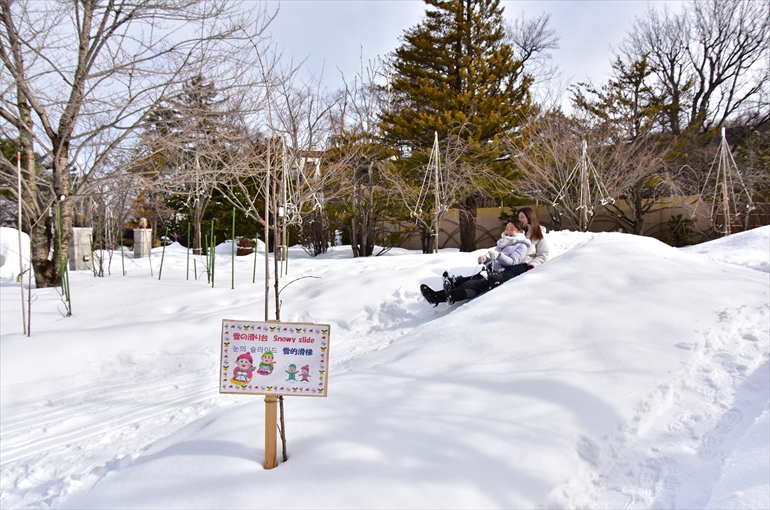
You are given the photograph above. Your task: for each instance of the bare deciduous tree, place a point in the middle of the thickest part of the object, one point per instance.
(81, 76)
(358, 161)
(628, 111)
(192, 142)
(710, 60)
(532, 40)
(550, 171)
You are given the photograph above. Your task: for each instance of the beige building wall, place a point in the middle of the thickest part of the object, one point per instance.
(489, 226)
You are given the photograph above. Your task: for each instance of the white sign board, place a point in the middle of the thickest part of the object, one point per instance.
(274, 358)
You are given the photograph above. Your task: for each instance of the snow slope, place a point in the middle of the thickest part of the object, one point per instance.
(747, 249)
(622, 373)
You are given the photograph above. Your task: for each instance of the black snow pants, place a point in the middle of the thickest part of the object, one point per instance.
(468, 287)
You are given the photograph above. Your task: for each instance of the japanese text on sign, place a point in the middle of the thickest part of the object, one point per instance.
(263, 358)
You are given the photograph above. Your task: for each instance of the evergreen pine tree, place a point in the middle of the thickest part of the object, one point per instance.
(454, 74)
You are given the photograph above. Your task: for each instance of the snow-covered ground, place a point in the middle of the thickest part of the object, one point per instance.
(623, 373)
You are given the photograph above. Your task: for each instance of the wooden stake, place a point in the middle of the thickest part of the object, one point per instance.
(162, 255)
(282, 430)
(271, 459)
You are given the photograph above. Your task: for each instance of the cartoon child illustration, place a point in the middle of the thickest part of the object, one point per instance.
(267, 364)
(243, 370)
(292, 371)
(304, 374)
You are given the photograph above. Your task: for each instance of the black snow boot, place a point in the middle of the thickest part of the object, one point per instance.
(431, 296)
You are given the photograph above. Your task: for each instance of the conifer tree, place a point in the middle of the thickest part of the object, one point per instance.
(453, 73)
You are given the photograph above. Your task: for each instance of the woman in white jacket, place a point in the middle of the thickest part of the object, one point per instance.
(539, 251)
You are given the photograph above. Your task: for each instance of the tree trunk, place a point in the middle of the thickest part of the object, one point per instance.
(367, 228)
(196, 218)
(363, 220)
(468, 225)
(426, 240)
(43, 236)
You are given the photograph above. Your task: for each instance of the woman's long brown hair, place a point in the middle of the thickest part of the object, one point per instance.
(537, 232)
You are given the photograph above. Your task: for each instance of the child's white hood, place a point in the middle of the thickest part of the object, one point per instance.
(509, 240)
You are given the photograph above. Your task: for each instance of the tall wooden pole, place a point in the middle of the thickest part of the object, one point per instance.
(21, 258)
(725, 196)
(585, 197)
(282, 207)
(285, 185)
(267, 232)
(437, 196)
(270, 400)
(232, 255)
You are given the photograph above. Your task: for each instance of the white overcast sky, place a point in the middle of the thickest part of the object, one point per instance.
(333, 34)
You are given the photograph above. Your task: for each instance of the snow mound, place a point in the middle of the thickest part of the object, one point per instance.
(623, 373)
(749, 249)
(9, 254)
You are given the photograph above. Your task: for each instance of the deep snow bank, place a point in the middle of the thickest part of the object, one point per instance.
(588, 381)
(749, 249)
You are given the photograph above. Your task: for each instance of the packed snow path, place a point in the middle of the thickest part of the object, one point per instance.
(623, 373)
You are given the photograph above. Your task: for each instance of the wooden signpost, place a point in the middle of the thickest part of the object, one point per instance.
(274, 359)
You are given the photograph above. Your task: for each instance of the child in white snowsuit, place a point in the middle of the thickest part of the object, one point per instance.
(510, 250)
(502, 263)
